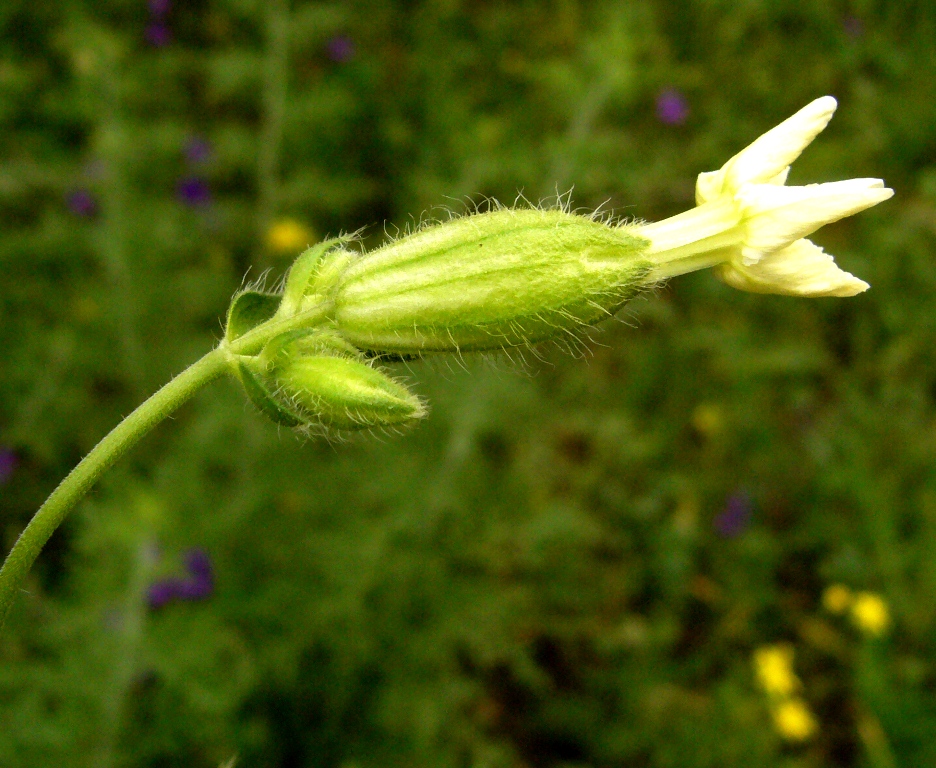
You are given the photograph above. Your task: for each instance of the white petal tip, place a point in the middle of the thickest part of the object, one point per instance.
(801, 269)
(824, 104)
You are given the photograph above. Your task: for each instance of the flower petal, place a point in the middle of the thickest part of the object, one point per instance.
(775, 216)
(770, 154)
(800, 269)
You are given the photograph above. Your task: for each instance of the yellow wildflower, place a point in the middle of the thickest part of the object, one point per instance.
(870, 614)
(774, 667)
(837, 598)
(708, 419)
(793, 720)
(288, 235)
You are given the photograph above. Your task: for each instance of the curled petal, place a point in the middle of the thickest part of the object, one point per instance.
(800, 269)
(775, 216)
(767, 157)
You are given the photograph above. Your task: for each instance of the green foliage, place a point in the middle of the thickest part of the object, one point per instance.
(539, 574)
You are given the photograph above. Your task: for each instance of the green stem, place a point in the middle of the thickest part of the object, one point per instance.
(80, 480)
(124, 436)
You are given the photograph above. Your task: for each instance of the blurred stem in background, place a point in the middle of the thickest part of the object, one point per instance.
(81, 479)
(275, 84)
(112, 240)
(130, 631)
(112, 244)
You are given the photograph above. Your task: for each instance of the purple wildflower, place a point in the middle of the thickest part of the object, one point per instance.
(198, 563)
(163, 591)
(340, 48)
(160, 7)
(81, 203)
(194, 191)
(671, 107)
(853, 26)
(198, 586)
(736, 516)
(158, 34)
(194, 589)
(8, 462)
(197, 150)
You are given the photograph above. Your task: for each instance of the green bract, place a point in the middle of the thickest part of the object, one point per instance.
(488, 281)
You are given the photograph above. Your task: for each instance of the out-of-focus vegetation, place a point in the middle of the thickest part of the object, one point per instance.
(618, 560)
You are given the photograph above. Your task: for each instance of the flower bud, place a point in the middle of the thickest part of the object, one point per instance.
(488, 281)
(345, 393)
(317, 381)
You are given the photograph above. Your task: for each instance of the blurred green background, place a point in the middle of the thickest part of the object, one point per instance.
(571, 562)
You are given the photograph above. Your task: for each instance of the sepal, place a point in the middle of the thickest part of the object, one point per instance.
(248, 310)
(265, 400)
(314, 272)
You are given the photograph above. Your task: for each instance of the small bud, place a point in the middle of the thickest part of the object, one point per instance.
(345, 393)
(317, 381)
(488, 281)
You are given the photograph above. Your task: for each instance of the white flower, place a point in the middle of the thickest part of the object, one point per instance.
(751, 227)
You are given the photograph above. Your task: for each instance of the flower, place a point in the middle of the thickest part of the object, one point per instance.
(198, 586)
(773, 665)
(793, 720)
(288, 235)
(836, 598)
(752, 228)
(870, 614)
(340, 48)
(735, 517)
(158, 34)
(515, 277)
(194, 191)
(82, 203)
(8, 462)
(671, 107)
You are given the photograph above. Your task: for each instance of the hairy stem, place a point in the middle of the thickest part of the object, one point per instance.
(80, 480)
(124, 436)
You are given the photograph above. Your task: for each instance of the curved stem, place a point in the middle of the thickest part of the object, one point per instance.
(79, 481)
(125, 435)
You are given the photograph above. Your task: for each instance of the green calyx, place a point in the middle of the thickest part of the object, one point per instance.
(488, 281)
(483, 282)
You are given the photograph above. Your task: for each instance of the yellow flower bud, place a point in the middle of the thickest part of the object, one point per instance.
(871, 614)
(836, 598)
(793, 720)
(288, 236)
(774, 667)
